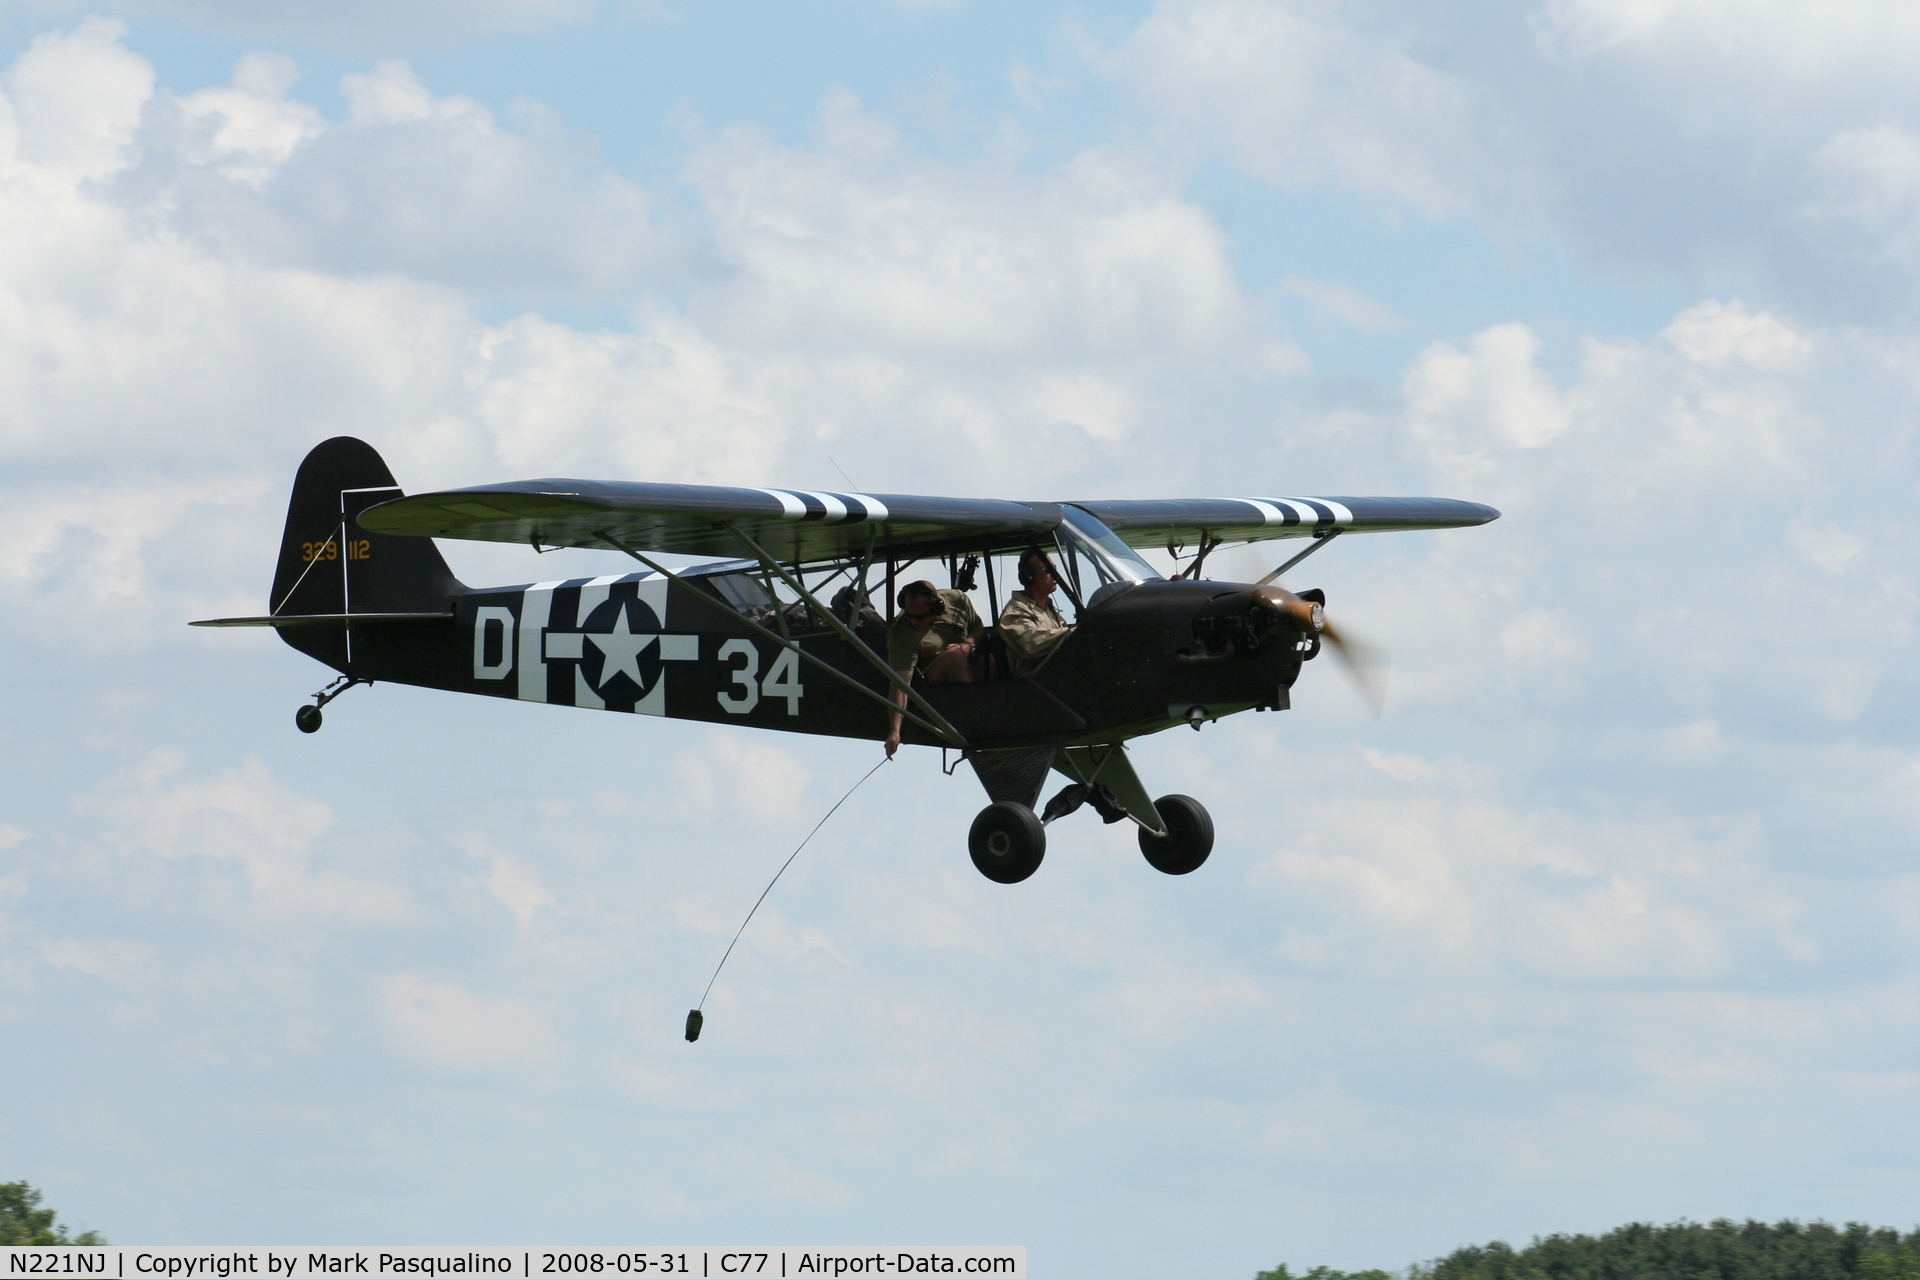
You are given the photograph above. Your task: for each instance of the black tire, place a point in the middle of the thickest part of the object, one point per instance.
(307, 719)
(1189, 837)
(1007, 842)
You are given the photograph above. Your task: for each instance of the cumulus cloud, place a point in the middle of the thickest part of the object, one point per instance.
(259, 274)
(1801, 40)
(1693, 138)
(75, 102)
(1293, 95)
(1491, 393)
(437, 188)
(359, 25)
(444, 1024)
(734, 776)
(1470, 884)
(248, 817)
(1344, 303)
(860, 243)
(512, 883)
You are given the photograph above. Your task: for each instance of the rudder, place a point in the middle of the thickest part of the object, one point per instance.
(329, 564)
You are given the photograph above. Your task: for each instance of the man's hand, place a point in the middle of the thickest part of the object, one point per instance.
(893, 743)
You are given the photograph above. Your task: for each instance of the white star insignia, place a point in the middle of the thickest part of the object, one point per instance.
(622, 649)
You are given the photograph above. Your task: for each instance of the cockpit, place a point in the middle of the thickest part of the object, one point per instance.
(1096, 563)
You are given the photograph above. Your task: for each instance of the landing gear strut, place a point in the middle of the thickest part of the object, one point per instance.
(307, 719)
(1007, 842)
(1189, 837)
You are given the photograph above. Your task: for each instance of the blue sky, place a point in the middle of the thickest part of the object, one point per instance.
(1611, 914)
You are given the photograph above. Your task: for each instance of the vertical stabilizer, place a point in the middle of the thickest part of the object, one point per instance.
(329, 564)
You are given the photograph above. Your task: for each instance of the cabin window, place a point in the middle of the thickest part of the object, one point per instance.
(744, 592)
(1096, 558)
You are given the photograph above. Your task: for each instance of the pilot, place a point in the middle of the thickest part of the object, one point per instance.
(934, 633)
(1030, 627)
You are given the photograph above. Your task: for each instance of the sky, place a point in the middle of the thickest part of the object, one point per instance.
(1610, 915)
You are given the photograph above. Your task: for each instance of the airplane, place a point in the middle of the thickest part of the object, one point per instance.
(744, 637)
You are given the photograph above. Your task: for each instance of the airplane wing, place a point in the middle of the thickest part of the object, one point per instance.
(799, 525)
(1160, 522)
(689, 519)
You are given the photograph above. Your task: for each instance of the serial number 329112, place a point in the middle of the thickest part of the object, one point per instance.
(595, 1262)
(361, 549)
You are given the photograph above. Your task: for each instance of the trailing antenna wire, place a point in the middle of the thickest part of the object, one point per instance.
(695, 1018)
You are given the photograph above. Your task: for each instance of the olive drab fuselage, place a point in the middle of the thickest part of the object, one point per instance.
(643, 643)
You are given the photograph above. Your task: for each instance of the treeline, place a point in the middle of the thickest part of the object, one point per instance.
(23, 1221)
(1718, 1250)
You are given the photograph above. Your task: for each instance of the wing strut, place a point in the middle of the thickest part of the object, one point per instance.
(948, 733)
(1318, 543)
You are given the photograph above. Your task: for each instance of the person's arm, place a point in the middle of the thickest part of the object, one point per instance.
(893, 717)
(976, 626)
(1016, 633)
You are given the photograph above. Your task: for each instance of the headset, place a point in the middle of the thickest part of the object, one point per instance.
(925, 591)
(1027, 571)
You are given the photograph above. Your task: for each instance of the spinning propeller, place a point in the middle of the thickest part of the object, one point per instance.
(1365, 663)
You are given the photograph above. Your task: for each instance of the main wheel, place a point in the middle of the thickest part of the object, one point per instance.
(1007, 842)
(307, 719)
(1189, 837)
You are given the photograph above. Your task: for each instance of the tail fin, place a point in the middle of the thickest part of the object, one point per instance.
(329, 564)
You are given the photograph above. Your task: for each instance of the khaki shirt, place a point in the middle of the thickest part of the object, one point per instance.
(1031, 631)
(911, 648)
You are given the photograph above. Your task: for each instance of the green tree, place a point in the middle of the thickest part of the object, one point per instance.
(1718, 1250)
(23, 1221)
(1883, 1264)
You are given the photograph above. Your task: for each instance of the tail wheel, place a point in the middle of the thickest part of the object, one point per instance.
(1007, 842)
(1189, 837)
(307, 719)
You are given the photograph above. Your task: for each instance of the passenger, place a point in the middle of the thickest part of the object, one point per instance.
(934, 633)
(1030, 627)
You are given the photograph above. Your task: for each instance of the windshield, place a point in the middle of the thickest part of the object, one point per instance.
(1096, 557)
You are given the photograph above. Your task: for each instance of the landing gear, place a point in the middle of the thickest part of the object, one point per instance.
(1188, 841)
(307, 719)
(1007, 842)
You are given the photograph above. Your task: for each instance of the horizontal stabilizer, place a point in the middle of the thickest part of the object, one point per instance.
(327, 620)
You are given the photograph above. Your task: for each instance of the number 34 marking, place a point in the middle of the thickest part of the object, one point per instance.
(782, 679)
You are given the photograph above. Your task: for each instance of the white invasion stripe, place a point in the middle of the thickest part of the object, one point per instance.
(791, 508)
(1341, 515)
(652, 592)
(536, 606)
(1306, 513)
(876, 509)
(592, 595)
(1269, 514)
(836, 509)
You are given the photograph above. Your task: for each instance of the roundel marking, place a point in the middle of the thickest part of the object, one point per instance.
(621, 659)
